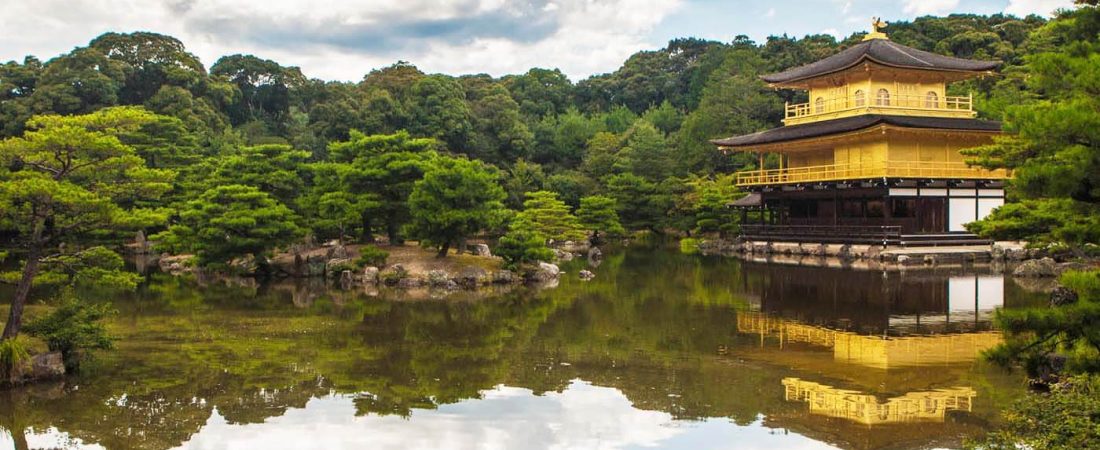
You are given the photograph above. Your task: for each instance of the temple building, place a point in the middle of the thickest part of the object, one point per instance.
(874, 155)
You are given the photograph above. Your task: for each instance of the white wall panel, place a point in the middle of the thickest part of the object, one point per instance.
(986, 205)
(960, 211)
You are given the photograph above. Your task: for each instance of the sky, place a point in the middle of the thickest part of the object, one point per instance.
(345, 39)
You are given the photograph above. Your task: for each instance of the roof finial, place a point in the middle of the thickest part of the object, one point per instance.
(876, 29)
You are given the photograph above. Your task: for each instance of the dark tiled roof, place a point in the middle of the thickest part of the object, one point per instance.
(753, 199)
(884, 52)
(855, 123)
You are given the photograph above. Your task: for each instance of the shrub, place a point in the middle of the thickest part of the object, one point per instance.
(689, 246)
(1064, 418)
(520, 247)
(72, 327)
(12, 352)
(371, 256)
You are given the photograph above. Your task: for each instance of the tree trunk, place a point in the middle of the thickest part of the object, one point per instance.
(462, 245)
(392, 234)
(22, 291)
(443, 250)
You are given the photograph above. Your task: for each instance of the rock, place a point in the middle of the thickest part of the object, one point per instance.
(594, 253)
(902, 259)
(504, 277)
(1062, 295)
(472, 277)
(245, 265)
(449, 285)
(338, 251)
(345, 277)
(393, 274)
(370, 275)
(576, 247)
(335, 266)
(47, 366)
(545, 272)
(438, 278)
(930, 260)
(586, 275)
(174, 263)
(480, 250)
(1037, 268)
(408, 283)
(313, 266)
(331, 243)
(1068, 266)
(562, 255)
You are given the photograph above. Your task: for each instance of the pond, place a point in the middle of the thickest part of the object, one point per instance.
(660, 350)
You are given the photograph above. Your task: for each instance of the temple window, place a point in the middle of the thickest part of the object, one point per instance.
(860, 98)
(883, 98)
(931, 100)
(819, 105)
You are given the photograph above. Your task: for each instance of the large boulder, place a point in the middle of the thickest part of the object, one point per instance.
(504, 277)
(473, 276)
(392, 274)
(370, 275)
(480, 250)
(1037, 268)
(1062, 295)
(586, 275)
(438, 278)
(337, 251)
(47, 366)
(544, 272)
(245, 265)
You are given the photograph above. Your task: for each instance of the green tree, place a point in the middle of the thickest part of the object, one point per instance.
(641, 204)
(231, 221)
(546, 215)
(455, 199)
(1062, 419)
(340, 211)
(73, 182)
(276, 169)
(597, 214)
(1053, 146)
(382, 166)
(520, 247)
(438, 109)
(646, 153)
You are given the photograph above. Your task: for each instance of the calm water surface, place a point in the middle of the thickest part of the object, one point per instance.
(659, 351)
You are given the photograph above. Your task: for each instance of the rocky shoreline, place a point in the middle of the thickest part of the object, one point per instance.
(413, 267)
(1014, 258)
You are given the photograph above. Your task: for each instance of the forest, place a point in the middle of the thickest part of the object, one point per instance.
(134, 133)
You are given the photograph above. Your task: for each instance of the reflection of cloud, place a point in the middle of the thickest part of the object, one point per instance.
(582, 417)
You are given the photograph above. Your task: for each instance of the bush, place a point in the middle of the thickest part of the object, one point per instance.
(12, 352)
(1064, 418)
(73, 327)
(520, 247)
(371, 256)
(689, 246)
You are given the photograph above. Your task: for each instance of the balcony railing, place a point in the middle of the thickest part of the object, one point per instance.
(893, 104)
(883, 169)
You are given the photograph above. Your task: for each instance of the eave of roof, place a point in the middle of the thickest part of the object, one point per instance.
(855, 123)
(884, 52)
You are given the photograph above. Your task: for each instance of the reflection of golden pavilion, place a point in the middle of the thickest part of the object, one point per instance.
(881, 352)
(925, 406)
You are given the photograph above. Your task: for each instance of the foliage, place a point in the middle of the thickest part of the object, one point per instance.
(520, 247)
(689, 246)
(455, 199)
(370, 255)
(1064, 418)
(231, 221)
(12, 352)
(1033, 335)
(544, 214)
(72, 328)
(74, 181)
(598, 214)
(1054, 144)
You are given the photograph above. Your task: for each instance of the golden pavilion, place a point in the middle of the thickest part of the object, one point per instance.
(874, 155)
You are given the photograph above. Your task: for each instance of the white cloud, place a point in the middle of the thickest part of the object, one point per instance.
(770, 13)
(1042, 7)
(926, 7)
(345, 39)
